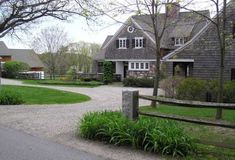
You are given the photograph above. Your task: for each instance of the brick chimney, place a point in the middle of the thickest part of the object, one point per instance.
(172, 9)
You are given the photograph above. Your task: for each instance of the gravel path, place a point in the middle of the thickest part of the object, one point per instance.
(57, 122)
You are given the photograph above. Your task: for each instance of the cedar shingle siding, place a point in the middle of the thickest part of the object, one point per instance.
(205, 52)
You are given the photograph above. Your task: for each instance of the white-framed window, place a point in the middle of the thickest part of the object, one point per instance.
(179, 41)
(132, 65)
(122, 43)
(139, 42)
(138, 66)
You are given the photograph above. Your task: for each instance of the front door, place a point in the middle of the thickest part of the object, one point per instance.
(125, 69)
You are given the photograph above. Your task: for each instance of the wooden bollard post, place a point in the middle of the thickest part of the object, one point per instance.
(130, 104)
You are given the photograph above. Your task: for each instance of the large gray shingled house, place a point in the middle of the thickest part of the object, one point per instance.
(131, 49)
(200, 56)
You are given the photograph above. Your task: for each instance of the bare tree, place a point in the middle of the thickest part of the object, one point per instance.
(219, 22)
(20, 14)
(50, 41)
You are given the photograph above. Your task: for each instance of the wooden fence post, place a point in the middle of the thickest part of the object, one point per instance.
(130, 104)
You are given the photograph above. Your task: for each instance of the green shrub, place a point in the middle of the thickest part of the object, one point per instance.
(66, 83)
(12, 68)
(192, 89)
(10, 97)
(108, 72)
(198, 90)
(149, 134)
(229, 92)
(138, 82)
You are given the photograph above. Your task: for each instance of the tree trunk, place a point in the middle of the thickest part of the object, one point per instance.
(157, 75)
(219, 112)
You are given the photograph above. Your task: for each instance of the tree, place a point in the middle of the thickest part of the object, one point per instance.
(81, 55)
(50, 41)
(219, 22)
(20, 14)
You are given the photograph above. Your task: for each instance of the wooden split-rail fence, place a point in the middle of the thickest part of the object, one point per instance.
(130, 108)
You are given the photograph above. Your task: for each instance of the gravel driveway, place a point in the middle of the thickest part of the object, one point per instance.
(57, 122)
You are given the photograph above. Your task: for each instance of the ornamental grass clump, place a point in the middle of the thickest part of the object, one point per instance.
(10, 97)
(149, 134)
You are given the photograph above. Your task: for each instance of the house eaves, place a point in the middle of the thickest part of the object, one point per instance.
(176, 51)
(123, 26)
(115, 35)
(143, 30)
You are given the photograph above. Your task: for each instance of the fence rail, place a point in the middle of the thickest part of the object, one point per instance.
(130, 108)
(190, 120)
(186, 103)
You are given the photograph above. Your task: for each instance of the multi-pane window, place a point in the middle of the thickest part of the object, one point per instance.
(179, 41)
(132, 65)
(139, 66)
(122, 43)
(146, 65)
(139, 42)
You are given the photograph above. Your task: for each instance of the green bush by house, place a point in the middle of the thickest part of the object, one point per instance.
(138, 82)
(10, 97)
(192, 89)
(153, 135)
(204, 90)
(12, 68)
(108, 72)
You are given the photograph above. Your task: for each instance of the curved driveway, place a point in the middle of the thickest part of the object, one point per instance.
(57, 122)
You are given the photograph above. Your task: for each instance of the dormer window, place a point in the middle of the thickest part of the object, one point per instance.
(139, 42)
(179, 41)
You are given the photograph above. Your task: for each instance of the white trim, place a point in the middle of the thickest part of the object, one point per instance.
(129, 29)
(138, 40)
(178, 41)
(179, 60)
(130, 68)
(131, 60)
(142, 30)
(123, 46)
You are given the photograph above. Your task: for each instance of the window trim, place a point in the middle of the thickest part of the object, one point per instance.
(140, 42)
(121, 46)
(178, 39)
(131, 64)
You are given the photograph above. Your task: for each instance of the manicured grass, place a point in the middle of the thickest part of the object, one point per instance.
(203, 133)
(229, 115)
(64, 83)
(36, 95)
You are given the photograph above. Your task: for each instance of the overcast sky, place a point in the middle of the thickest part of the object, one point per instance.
(78, 30)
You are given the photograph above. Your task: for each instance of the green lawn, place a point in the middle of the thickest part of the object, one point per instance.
(36, 95)
(64, 83)
(204, 133)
